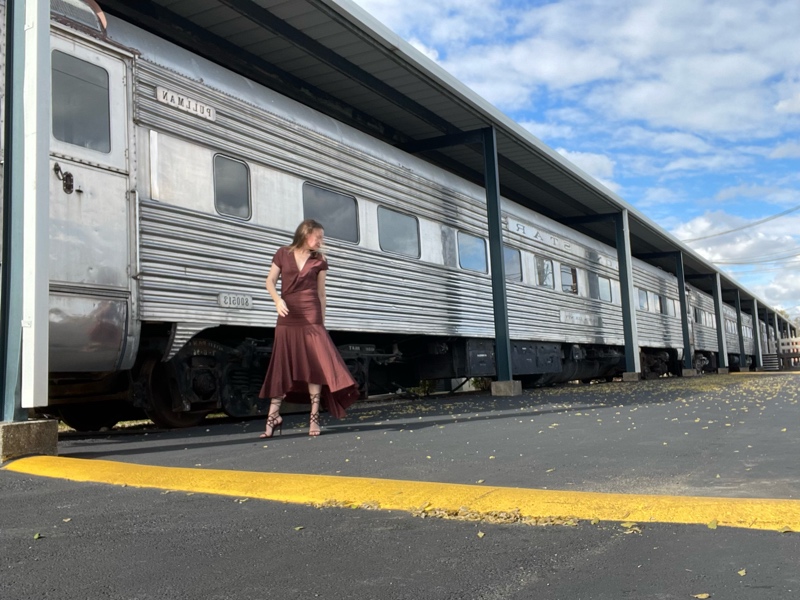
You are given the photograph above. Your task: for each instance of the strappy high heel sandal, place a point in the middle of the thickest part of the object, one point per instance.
(273, 423)
(313, 418)
(274, 419)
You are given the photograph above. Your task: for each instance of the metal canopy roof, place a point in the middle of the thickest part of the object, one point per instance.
(334, 57)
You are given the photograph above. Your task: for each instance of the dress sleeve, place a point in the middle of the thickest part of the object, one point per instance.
(323, 264)
(277, 259)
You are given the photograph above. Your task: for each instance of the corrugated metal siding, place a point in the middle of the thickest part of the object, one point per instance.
(188, 258)
(657, 330)
(705, 338)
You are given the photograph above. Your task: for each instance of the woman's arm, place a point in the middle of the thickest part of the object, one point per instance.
(321, 292)
(272, 279)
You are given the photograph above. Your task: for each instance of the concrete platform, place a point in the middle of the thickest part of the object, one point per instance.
(25, 438)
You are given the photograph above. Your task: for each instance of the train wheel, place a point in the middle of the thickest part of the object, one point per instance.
(159, 408)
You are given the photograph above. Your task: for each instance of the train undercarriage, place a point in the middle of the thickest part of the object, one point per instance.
(223, 371)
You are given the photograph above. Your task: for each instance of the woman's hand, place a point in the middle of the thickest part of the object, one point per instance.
(281, 307)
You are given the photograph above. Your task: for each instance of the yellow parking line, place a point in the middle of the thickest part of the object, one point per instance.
(434, 498)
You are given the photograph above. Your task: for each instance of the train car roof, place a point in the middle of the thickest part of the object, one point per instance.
(336, 58)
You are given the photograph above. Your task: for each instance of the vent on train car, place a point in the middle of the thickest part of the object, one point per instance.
(85, 12)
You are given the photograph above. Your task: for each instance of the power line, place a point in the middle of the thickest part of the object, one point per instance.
(735, 229)
(767, 259)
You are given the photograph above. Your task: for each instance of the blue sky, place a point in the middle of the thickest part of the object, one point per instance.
(688, 109)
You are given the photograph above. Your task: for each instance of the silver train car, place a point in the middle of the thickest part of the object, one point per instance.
(173, 183)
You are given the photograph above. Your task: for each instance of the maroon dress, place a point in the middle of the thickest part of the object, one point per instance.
(303, 352)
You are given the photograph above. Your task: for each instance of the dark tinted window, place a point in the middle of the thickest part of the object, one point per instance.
(472, 252)
(338, 213)
(231, 187)
(80, 103)
(398, 232)
(512, 263)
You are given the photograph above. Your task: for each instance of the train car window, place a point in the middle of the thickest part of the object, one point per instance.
(398, 232)
(337, 212)
(667, 306)
(472, 252)
(569, 279)
(599, 287)
(698, 315)
(654, 302)
(231, 187)
(544, 273)
(641, 295)
(80, 104)
(512, 263)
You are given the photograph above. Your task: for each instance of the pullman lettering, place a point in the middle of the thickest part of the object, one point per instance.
(185, 103)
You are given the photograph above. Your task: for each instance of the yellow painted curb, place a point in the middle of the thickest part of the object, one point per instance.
(433, 498)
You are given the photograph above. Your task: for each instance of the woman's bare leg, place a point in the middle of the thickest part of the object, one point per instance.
(314, 391)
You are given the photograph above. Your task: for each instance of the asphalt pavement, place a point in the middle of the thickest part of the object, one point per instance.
(727, 441)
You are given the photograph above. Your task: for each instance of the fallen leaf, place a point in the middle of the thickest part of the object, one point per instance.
(481, 534)
(37, 536)
(480, 481)
(743, 572)
(701, 596)
(299, 527)
(786, 530)
(66, 520)
(712, 524)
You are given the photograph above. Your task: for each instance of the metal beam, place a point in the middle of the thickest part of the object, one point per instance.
(623, 240)
(584, 219)
(757, 336)
(444, 141)
(495, 226)
(13, 184)
(740, 329)
(688, 351)
(722, 343)
(488, 141)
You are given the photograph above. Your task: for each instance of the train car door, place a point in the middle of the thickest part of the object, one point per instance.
(90, 218)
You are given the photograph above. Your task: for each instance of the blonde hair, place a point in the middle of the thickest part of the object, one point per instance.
(304, 229)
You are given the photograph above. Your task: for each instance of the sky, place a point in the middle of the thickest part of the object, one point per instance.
(689, 110)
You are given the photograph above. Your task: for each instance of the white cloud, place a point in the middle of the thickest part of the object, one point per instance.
(548, 131)
(787, 150)
(714, 163)
(598, 166)
(431, 53)
(789, 105)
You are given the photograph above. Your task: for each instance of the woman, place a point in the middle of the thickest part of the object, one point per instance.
(305, 365)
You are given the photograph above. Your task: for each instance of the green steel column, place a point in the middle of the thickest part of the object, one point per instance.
(623, 241)
(687, 339)
(11, 283)
(757, 335)
(722, 343)
(493, 211)
(740, 330)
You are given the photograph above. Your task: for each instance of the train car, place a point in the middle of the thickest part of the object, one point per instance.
(174, 181)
